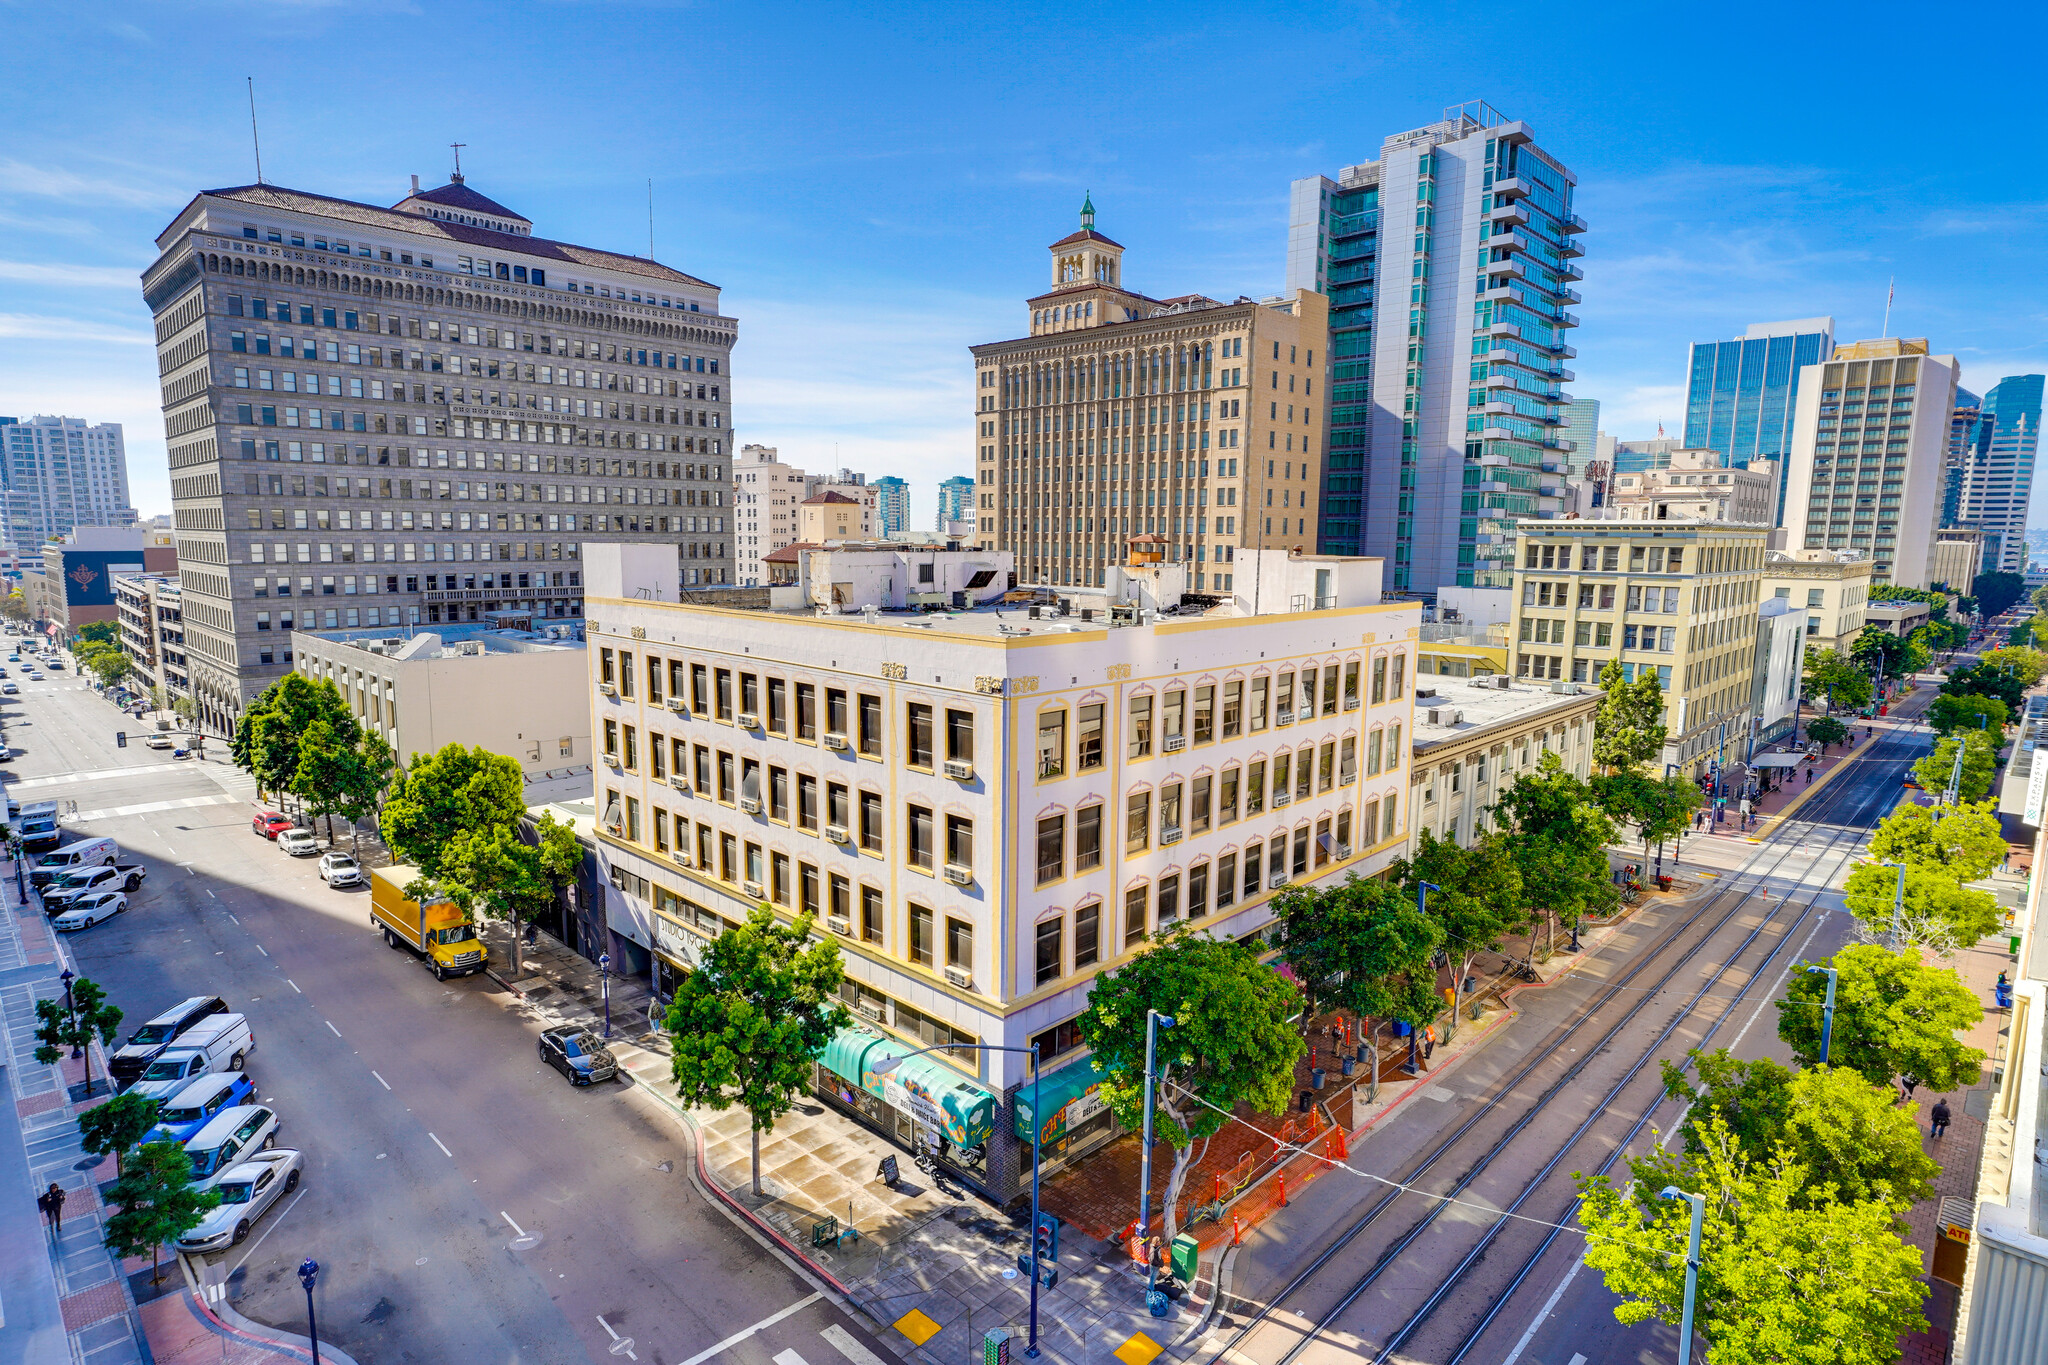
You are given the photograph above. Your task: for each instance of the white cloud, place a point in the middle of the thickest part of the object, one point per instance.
(72, 276)
(34, 325)
(18, 177)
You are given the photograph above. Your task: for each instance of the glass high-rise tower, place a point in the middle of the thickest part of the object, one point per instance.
(1998, 476)
(1740, 395)
(1446, 422)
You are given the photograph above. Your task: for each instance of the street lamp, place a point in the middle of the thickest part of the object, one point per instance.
(604, 983)
(1827, 1014)
(309, 1271)
(1154, 1300)
(889, 1064)
(1898, 906)
(1692, 1265)
(71, 1010)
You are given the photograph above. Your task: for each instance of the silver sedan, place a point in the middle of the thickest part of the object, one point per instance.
(247, 1192)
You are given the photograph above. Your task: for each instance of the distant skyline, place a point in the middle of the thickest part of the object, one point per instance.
(875, 197)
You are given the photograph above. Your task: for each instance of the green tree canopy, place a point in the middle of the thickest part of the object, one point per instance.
(1948, 714)
(1831, 674)
(1558, 837)
(1996, 592)
(270, 730)
(1480, 900)
(112, 1128)
(156, 1202)
(89, 1017)
(1628, 729)
(1939, 913)
(1826, 731)
(1894, 1016)
(2027, 664)
(1876, 646)
(1985, 681)
(98, 632)
(746, 1024)
(1965, 842)
(1649, 808)
(1362, 946)
(496, 873)
(110, 667)
(1781, 1278)
(1980, 765)
(1848, 1137)
(458, 791)
(15, 607)
(1232, 1042)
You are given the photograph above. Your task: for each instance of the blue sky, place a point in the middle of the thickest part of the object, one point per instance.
(873, 186)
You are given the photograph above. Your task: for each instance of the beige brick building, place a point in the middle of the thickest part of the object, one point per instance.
(1675, 596)
(1118, 414)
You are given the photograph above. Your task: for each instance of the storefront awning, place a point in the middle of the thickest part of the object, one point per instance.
(1777, 760)
(847, 1053)
(934, 1093)
(1059, 1091)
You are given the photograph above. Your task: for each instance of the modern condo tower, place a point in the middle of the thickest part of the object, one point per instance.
(1445, 408)
(1998, 477)
(418, 414)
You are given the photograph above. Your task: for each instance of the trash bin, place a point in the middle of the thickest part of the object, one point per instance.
(1186, 1253)
(1317, 1077)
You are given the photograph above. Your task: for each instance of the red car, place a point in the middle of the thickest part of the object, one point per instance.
(270, 824)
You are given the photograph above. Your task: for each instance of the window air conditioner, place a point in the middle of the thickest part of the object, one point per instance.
(678, 705)
(1169, 834)
(752, 890)
(612, 761)
(835, 740)
(1172, 744)
(750, 804)
(960, 977)
(749, 721)
(837, 834)
(959, 769)
(1276, 881)
(839, 924)
(680, 783)
(1282, 799)
(958, 875)
(607, 690)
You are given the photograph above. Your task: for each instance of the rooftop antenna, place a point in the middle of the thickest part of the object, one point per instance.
(1890, 290)
(253, 139)
(458, 146)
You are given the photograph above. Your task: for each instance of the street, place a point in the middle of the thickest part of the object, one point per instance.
(1458, 1261)
(463, 1202)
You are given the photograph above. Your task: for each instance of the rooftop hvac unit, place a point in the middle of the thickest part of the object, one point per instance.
(1445, 715)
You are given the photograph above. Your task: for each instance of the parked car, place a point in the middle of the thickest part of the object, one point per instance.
(104, 877)
(9, 689)
(156, 741)
(340, 869)
(247, 1192)
(77, 854)
(155, 1037)
(300, 843)
(173, 1071)
(186, 1110)
(219, 1147)
(578, 1054)
(270, 823)
(89, 910)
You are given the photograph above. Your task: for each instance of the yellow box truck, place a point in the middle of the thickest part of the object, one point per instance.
(439, 932)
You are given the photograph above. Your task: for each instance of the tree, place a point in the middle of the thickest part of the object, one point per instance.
(89, 1017)
(1938, 913)
(1831, 675)
(746, 1024)
(1361, 946)
(157, 1203)
(1558, 836)
(1628, 729)
(1479, 898)
(495, 873)
(1231, 1043)
(1996, 592)
(442, 795)
(97, 632)
(1780, 1280)
(269, 733)
(1948, 714)
(1826, 731)
(1982, 680)
(15, 608)
(2027, 664)
(1980, 765)
(112, 1128)
(1964, 842)
(185, 709)
(1658, 809)
(327, 766)
(1878, 648)
(1848, 1137)
(363, 780)
(1894, 1016)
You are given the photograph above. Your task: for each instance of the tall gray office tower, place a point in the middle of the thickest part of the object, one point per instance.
(1998, 476)
(1967, 433)
(1445, 406)
(1582, 429)
(397, 416)
(59, 473)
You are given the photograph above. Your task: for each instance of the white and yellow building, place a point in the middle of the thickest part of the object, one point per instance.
(992, 805)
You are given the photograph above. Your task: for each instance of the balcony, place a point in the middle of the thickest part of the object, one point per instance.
(1570, 271)
(1574, 224)
(1508, 216)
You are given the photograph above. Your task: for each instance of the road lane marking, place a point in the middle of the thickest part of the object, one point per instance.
(231, 915)
(509, 1223)
(259, 948)
(789, 1358)
(1544, 1312)
(94, 775)
(845, 1343)
(152, 807)
(209, 891)
(737, 1337)
(623, 1346)
(380, 1080)
(443, 1146)
(288, 981)
(330, 1027)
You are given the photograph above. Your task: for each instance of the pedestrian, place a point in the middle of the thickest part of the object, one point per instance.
(1938, 1120)
(532, 933)
(1909, 1083)
(1428, 1041)
(52, 1204)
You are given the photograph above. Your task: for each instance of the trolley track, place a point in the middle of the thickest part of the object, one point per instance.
(1797, 840)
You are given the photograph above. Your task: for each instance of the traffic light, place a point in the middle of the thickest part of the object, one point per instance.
(1045, 1241)
(120, 739)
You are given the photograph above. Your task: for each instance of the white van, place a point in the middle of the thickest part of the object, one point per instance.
(82, 853)
(224, 1040)
(227, 1137)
